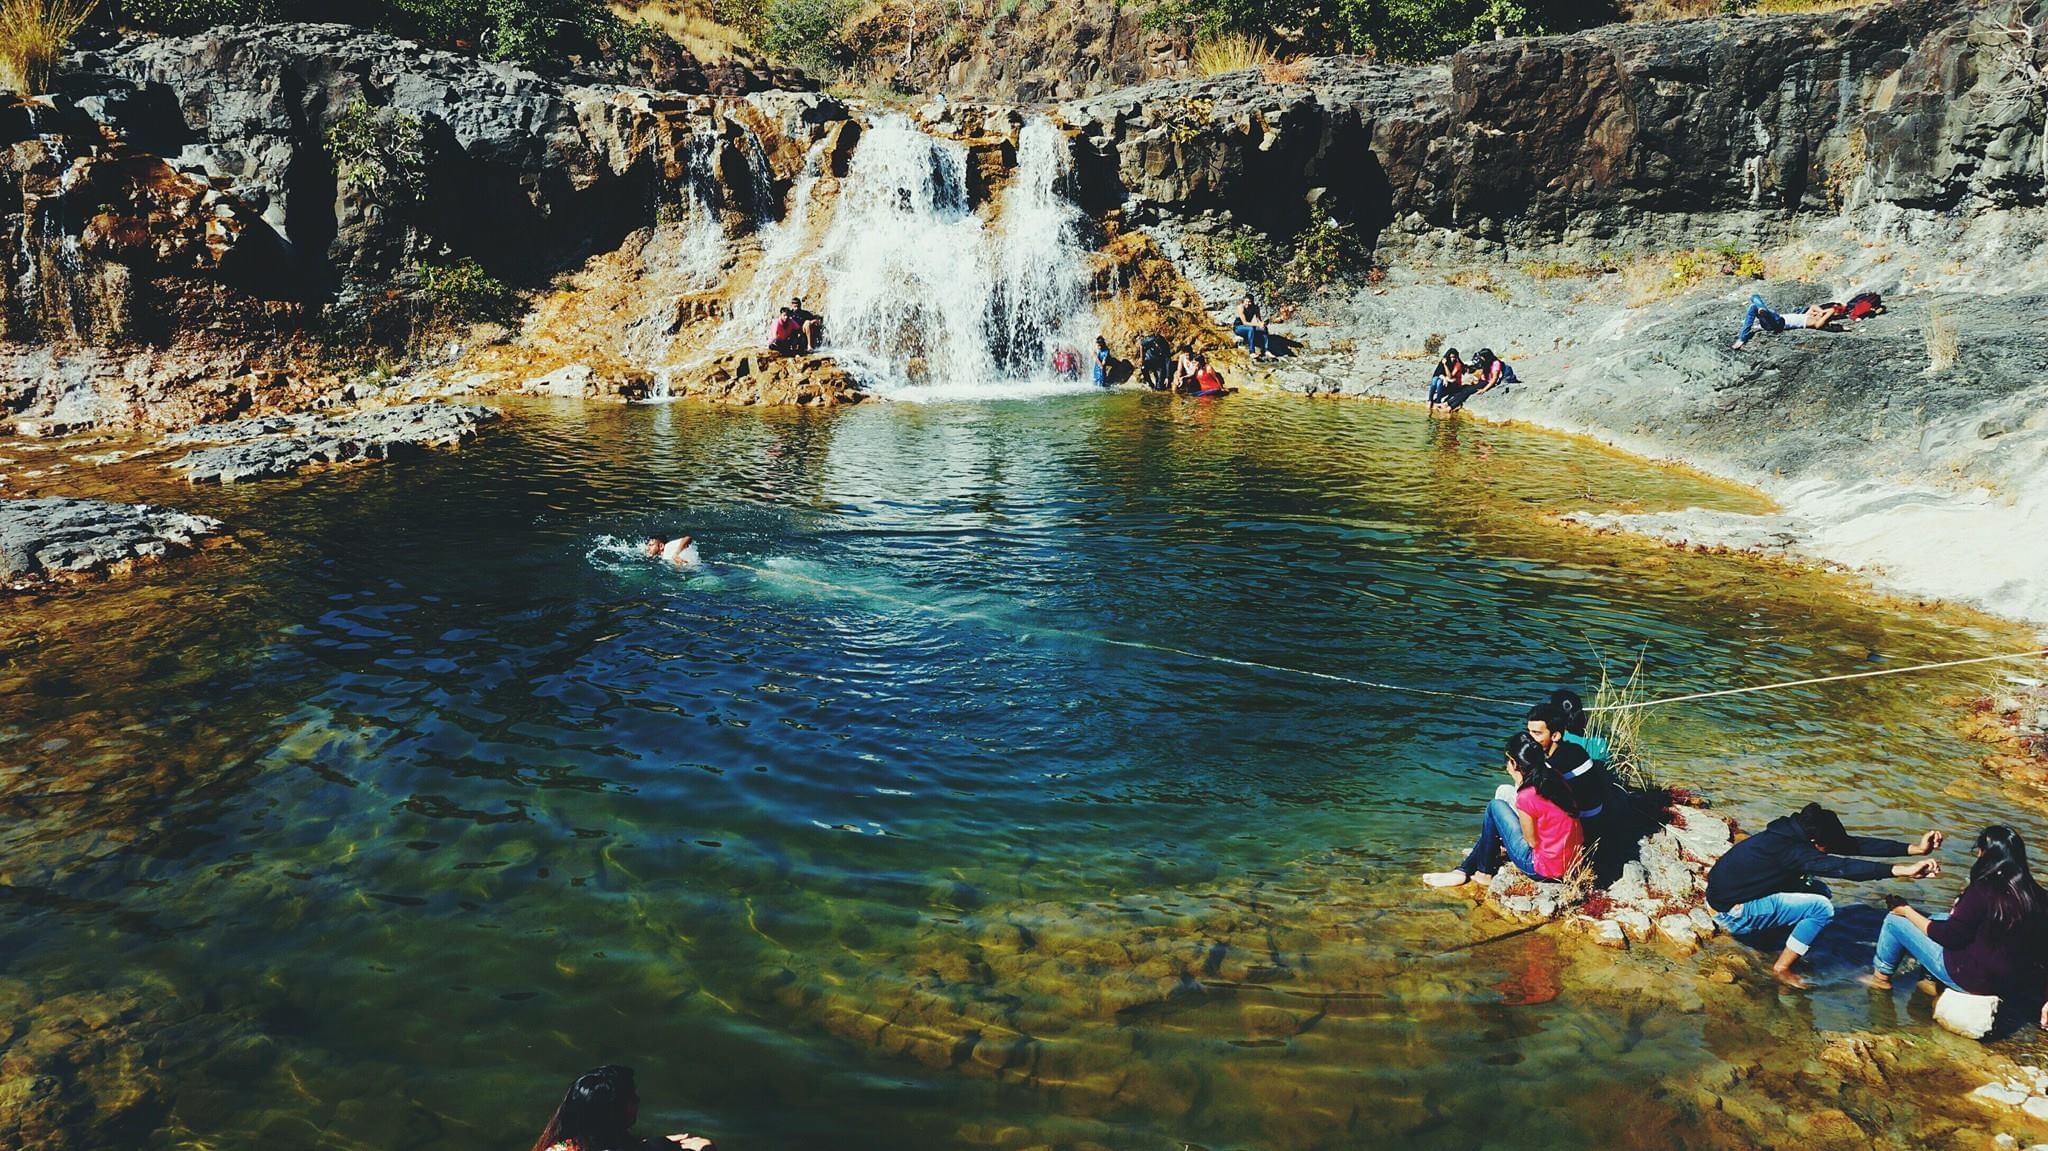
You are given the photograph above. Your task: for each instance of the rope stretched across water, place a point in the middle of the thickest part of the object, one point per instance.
(1376, 685)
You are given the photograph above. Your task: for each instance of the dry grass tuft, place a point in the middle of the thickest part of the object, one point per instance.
(1621, 726)
(1235, 52)
(33, 37)
(1943, 342)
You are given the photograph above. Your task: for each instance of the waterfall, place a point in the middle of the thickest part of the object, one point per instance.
(920, 290)
(785, 268)
(687, 253)
(1041, 267)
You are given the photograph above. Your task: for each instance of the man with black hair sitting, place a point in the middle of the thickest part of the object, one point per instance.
(1766, 881)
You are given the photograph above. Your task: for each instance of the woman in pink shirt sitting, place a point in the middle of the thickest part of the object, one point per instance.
(1538, 830)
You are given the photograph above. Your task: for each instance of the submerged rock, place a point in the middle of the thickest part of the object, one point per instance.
(54, 540)
(281, 446)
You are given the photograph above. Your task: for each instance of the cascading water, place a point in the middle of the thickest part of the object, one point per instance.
(921, 290)
(786, 269)
(687, 253)
(1041, 267)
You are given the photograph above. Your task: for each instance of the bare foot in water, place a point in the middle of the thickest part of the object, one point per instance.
(1876, 981)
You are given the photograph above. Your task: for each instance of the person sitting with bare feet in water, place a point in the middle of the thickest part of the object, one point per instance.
(1994, 941)
(1767, 881)
(1534, 824)
(598, 1114)
(680, 552)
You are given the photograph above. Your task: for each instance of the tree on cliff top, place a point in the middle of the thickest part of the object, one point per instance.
(1394, 29)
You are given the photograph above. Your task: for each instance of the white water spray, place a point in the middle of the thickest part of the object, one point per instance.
(923, 291)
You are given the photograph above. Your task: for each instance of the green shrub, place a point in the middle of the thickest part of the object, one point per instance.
(806, 33)
(192, 15)
(462, 293)
(1324, 255)
(379, 152)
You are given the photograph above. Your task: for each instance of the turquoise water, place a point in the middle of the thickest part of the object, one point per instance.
(383, 825)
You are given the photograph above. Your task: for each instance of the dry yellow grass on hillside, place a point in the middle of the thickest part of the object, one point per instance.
(1693, 9)
(688, 22)
(33, 37)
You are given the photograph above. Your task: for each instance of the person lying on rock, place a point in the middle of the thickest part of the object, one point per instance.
(1155, 358)
(1447, 378)
(679, 552)
(811, 323)
(1993, 941)
(598, 1114)
(1536, 827)
(1767, 880)
(1549, 724)
(1253, 328)
(1761, 315)
(1486, 372)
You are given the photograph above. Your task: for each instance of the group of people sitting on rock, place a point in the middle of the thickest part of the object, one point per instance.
(797, 332)
(1828, 316)
(1559, 797)
(1562, 800)
(1454, 382)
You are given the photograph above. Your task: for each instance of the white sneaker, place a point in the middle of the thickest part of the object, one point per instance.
(1445, 878)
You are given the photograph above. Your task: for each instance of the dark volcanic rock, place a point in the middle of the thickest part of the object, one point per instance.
(52, 540)
(268, 448)
(1631, 132)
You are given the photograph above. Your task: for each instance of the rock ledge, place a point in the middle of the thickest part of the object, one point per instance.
(58, 540)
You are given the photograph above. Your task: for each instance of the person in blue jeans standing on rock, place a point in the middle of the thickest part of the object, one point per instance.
(1768, 880)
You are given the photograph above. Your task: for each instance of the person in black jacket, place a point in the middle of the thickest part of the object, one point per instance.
(1767, 880)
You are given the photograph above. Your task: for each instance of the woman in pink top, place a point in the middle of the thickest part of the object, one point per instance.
(1539, 831)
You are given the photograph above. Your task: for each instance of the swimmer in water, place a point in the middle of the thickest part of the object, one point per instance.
(681, 551)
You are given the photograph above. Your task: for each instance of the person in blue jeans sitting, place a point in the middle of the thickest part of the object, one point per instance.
(1767, 880)
(1534, 823)
(1253, 327)
(1994, 941)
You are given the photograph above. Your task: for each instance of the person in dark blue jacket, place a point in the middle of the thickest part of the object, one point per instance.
(1768, 879)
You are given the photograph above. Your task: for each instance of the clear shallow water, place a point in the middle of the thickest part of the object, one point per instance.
(417, 804)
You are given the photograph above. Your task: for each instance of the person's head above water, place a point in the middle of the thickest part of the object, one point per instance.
(655, 545)
(1574, 709)
(597, 1114)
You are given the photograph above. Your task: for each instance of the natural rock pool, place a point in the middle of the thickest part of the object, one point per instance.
(375, 830)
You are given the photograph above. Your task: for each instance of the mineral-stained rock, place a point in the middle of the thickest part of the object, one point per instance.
(264, 449)
(50, 540)
(1631, 887)
(771, 379)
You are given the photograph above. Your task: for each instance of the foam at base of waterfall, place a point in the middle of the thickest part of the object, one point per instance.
(1037, 389)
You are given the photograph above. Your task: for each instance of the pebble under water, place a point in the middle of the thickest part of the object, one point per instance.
(374, 831)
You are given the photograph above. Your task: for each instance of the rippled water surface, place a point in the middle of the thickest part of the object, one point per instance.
(385, 823)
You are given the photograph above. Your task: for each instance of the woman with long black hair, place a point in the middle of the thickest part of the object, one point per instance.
(598, 1114)
(1536, 827)
(1994, 941)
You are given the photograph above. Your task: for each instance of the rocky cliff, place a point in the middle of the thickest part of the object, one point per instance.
(207, 225)
(1640, 133)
